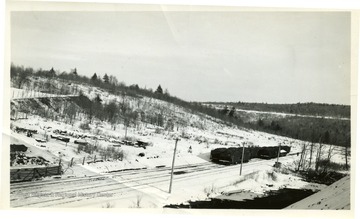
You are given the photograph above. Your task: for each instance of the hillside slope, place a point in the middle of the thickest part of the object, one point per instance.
(336, 196)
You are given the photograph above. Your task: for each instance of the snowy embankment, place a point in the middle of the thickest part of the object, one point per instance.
(258, 178)
(335, 197)
(263, 181)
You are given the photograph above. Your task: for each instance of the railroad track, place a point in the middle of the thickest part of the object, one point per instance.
(22, 192)
(40, 183)
(117, 184)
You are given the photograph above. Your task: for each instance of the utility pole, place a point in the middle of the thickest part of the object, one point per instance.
(242, 158)
(172, 167)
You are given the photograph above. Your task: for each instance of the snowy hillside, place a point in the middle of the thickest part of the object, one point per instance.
(197, 131)
(72, 131)
(335, 196)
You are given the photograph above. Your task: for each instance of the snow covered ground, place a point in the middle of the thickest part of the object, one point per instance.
(143, 173)
(123, 189)
(162, 145)
(336, 197)
(195, 184)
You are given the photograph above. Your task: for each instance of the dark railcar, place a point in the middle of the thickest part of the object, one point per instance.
(273, 151)
(215, 154)
(230, 155)
(233, 155)
(286, 148)
(268, 152)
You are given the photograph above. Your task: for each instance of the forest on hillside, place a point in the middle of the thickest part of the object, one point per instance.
(313, 109)
(313, 129)
(331, 131)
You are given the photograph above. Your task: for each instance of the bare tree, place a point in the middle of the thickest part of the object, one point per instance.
(111, 111)
(347, 151)
(70, 112)
(313, 140)
(23, 77)
(311, 154)
(330, 152)
(113, 80)
(125, 113)
(318, 155)
(302, 157)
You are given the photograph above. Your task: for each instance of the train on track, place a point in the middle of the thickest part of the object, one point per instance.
(233, 155)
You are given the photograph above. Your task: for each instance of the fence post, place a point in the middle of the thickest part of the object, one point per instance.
(71, 162)
(83, 161)
(94, 158)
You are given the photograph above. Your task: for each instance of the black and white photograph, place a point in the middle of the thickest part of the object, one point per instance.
(193, 107)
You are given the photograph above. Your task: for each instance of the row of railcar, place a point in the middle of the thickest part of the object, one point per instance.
(233, 155)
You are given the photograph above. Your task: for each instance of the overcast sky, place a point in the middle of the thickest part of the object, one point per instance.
(274, 57)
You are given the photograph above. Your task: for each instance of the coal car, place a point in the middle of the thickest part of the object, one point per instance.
(233, 155)
(230, 155)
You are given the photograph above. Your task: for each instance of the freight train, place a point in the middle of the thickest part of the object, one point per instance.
(233, 155)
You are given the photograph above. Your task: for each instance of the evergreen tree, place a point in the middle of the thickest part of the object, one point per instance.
(225, 110)
(232, 112)
(24, 77)
(159, 90)
(110, 110)
(97, 108)
(260, 122)
(94, 78)
(75, 71)
(134, 86)
(327, 137)
(52, 72)
(97, 99)
(106, 78)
